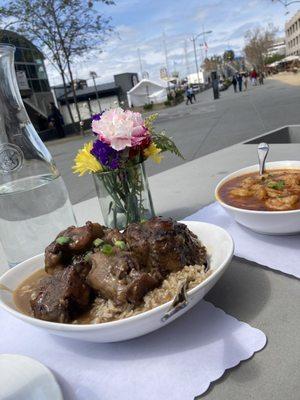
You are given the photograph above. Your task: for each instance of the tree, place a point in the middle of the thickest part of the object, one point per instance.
(228, 55)
(258, 42)
(213, 63)
(273, 58)
(63, 29)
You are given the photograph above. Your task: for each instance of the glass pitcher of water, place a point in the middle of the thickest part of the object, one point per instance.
(34, 202)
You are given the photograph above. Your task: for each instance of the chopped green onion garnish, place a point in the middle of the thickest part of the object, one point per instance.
(120, 244)
(87, 256)
(63, 240)
(107, 249)
(98, 242)
(279, 185)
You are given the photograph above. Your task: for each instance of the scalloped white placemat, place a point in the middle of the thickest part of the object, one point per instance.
(281, 253)
(177, 362)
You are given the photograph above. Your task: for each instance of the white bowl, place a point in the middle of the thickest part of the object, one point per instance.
(265, 222)
(220, 250)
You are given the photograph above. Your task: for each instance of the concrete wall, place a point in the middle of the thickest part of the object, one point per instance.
(88, 108)
(126, 82)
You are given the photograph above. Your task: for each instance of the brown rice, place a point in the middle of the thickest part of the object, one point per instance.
(106, 310)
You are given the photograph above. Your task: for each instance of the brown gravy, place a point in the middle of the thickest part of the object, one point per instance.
(24, 291)
(275, 183)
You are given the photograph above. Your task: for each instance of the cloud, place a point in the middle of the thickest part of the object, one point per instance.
(140, 25)
(242, 29)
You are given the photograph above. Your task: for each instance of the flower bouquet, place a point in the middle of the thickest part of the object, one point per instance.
(116, 160)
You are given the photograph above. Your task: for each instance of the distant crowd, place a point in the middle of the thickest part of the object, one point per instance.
(240, 81)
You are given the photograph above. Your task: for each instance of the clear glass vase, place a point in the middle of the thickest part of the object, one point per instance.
(124, 196)
(34, 202)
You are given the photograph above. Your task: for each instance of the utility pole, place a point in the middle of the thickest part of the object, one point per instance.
(93, 75)
(140, 62)
(167, 59)
(193, 39)
(186, 58)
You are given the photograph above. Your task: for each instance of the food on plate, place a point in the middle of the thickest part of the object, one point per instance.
(94, 274)
(275, 190)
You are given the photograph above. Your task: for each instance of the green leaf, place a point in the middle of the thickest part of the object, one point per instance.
(63, 240)
(162, 141)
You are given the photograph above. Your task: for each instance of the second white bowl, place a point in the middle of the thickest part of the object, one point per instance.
(265, 222)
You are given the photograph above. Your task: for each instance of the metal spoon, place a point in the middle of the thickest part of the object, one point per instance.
(180, 301)
(262, 152)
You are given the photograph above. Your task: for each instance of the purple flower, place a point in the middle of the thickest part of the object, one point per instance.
(97, 117)
(107, 156)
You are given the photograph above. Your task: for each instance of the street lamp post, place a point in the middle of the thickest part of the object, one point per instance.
(196, 61)
(93, 75)
(193, 39)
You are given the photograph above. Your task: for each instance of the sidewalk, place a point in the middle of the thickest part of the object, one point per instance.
(290, 78)
(201, 128)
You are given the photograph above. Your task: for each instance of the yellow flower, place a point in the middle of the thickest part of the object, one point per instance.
(153, 152)
(85, 161)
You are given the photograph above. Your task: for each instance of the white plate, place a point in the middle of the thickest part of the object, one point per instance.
(220, 250)
(265, 222)
(23, 378)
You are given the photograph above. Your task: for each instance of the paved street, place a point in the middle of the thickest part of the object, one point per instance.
(201, 128)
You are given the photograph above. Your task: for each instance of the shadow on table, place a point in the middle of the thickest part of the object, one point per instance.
(242, 291)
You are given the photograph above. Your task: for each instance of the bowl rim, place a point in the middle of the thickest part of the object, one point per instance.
(106, 325)
(243, 171)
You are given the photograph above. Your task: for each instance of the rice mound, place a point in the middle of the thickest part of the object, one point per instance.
(106, 310)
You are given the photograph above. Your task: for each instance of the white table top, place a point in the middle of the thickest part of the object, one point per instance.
(266, 299)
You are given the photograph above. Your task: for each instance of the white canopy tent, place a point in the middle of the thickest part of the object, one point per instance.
(147, 91)
(290, 58)
(274, 64)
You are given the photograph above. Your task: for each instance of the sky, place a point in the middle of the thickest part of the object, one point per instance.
(142, 24)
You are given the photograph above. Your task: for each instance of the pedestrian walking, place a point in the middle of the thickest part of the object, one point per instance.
(240, 81)
(245, 81)
(254, 77)
(261, 78)
(234, 83)
(56, 120)
(193, 96)
(188, 96)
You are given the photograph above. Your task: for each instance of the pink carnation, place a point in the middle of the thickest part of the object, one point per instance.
(120, 128)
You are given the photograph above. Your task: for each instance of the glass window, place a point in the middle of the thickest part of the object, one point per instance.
(20, 67)
(41, 72)
(3, 38)
(31, 71)
(37, 57)
(27, 54)
(18, 55)
(35, 85)
(44, 85)
(14, 40)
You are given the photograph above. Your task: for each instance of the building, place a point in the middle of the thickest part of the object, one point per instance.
(32, 78)
(292, 35)
(92, 100)
(278, 47)
(203, 77)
